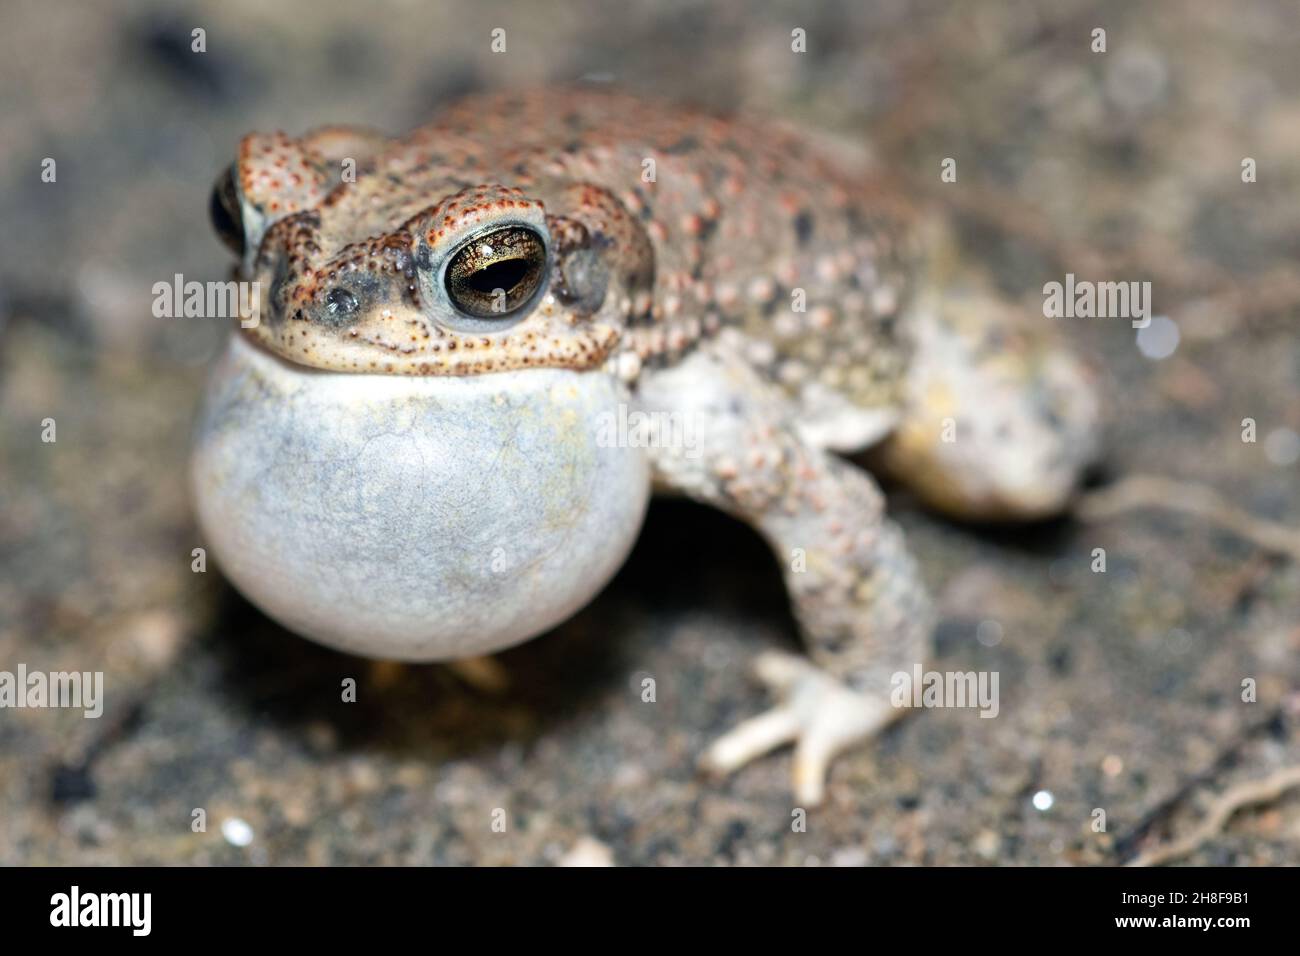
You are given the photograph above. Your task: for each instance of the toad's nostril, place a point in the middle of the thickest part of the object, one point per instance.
(341, 303)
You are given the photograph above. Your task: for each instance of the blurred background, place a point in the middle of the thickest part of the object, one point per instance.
(1120, 691)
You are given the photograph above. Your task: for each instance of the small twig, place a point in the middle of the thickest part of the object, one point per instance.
(1224, 762)
(1151, 491)
(1246, 794)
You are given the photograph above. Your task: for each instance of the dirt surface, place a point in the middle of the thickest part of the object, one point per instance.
(1120, 691)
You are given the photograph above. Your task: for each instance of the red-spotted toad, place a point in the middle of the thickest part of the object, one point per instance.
(477, 355)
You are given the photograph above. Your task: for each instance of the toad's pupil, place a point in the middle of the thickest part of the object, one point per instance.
(500, 276)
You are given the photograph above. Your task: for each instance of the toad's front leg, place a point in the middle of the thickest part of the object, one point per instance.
(856, 592)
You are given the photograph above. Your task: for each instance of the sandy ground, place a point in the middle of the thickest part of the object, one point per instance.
(1120, 691)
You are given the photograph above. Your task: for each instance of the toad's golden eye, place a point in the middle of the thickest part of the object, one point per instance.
(496, 273)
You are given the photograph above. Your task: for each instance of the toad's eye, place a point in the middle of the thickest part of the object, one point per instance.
(223, 207)
(496, 273)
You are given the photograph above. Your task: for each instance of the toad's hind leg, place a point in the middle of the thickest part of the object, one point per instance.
(856, 592)
(999, 421)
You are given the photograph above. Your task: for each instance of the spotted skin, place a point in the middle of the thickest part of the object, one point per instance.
(707, 222)
(722, 269)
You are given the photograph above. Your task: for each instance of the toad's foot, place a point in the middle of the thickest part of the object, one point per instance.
(818, 714)
(999, 421)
